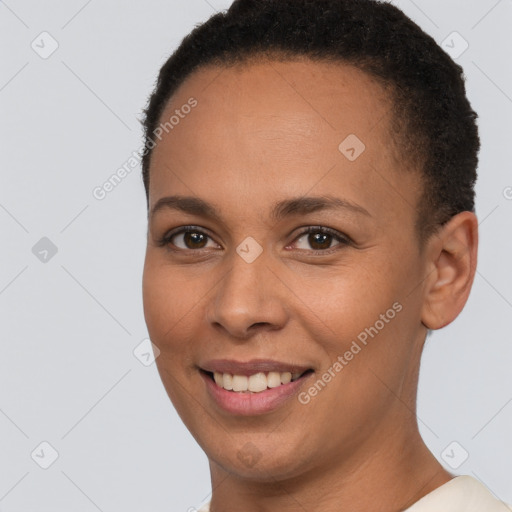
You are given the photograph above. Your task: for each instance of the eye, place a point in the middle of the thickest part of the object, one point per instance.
(320, 239)
(187, 238)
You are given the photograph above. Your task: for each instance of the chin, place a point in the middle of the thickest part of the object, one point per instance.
(257, 457)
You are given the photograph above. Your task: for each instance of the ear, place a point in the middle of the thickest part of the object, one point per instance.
(451, 266)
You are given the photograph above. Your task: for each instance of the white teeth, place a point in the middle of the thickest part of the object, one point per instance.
(240, 383)
(227, 381)
(254, 383)
(218, 378)
(273, 379)
(286, 377)
(257, 382)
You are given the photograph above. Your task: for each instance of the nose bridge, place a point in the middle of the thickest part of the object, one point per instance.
(247, 294)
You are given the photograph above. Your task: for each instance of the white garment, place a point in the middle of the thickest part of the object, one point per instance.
(461, 494)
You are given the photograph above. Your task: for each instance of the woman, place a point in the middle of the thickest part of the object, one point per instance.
(309, 170)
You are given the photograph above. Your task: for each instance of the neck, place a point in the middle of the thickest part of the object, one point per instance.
(392, 472)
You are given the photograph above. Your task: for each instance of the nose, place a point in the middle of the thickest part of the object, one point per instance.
(248, 299)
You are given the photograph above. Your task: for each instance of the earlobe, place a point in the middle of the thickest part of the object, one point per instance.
(452, 262)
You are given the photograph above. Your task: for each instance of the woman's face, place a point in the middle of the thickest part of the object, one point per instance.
(262, 153)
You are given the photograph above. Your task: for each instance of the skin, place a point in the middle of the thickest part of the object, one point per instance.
(261, 133)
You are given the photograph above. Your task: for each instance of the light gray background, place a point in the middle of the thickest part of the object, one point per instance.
(68, 375)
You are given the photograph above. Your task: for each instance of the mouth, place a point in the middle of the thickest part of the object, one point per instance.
(256, 382)
(254, 387)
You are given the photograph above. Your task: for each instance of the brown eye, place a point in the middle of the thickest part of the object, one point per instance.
(194, 239)
(320, 239)
(188, 238)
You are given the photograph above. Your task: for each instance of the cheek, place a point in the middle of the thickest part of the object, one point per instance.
(168, 301)
(367, 316)
(169, 309)
(348, 299)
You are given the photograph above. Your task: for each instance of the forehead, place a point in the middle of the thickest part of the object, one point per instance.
(273, 127)
(335, 96)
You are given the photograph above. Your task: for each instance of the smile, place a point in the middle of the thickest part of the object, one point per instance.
(255, 383)
(253, 387)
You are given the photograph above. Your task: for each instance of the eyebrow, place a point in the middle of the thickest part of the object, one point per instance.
(280, 210)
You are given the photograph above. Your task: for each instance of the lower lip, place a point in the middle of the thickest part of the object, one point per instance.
(247, 403)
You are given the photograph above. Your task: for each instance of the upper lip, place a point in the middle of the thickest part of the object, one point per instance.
(251, 367)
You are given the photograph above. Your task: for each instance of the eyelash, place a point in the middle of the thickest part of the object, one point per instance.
(342, 239)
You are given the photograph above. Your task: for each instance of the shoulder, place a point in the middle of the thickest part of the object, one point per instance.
(461, 494)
